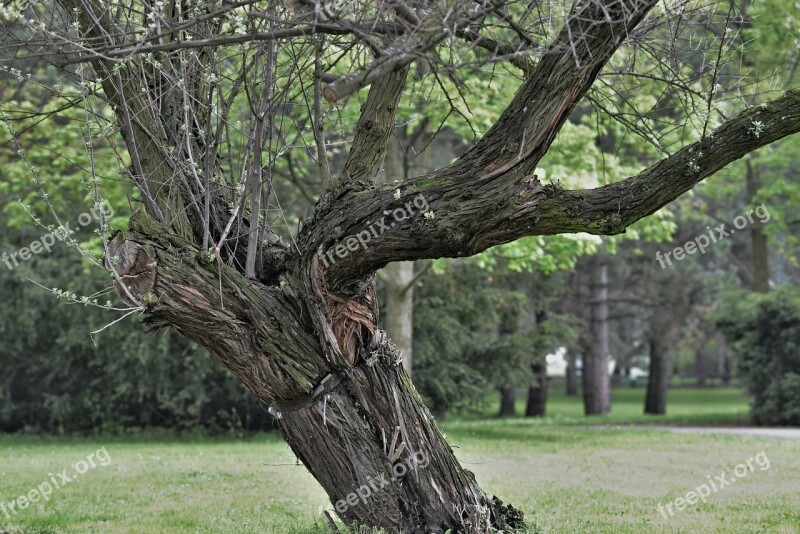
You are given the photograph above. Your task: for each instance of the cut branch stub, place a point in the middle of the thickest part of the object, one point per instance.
(134, 266)
(261, 333)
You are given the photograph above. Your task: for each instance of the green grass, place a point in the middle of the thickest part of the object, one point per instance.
(567, 478)
(706, 406)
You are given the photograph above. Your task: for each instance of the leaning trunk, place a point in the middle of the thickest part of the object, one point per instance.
(344, 403)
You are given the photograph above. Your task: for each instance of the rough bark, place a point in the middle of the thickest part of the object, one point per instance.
(399, 277)
(304, 334)
(351, 423)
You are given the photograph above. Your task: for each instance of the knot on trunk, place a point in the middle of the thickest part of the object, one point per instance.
(135, 268)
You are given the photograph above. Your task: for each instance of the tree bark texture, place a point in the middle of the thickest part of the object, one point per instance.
(353, 425)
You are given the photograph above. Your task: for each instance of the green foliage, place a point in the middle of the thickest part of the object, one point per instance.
(56, 378)
(764, 331)
(57, 167)
(475, 330)
(445, 317)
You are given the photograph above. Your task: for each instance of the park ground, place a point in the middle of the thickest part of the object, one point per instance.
(567, 473)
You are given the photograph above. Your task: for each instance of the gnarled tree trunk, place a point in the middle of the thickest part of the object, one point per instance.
(359, 426)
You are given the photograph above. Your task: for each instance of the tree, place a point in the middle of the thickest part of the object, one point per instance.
(205, 100)
(596, 358)
(400, 277)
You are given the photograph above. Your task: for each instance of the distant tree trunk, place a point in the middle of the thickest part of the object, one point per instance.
(780, 263)
(571, 374)
(508, 396)
(596, 382)
(758, 238)
(657, 382)
(399, 276)
(537, 394)
(725, 366)
(616, 375)
(400, 309)
(700, 366)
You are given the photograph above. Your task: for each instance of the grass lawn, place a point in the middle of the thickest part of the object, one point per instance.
(707, 406)
(566, 477)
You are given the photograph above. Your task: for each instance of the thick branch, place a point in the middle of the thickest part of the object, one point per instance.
(461, 203)
(527, 127)
(374, 127)
(466, 220)
(612, 208)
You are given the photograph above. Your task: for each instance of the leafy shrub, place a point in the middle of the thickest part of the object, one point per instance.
(57, 379)
(764, 332)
